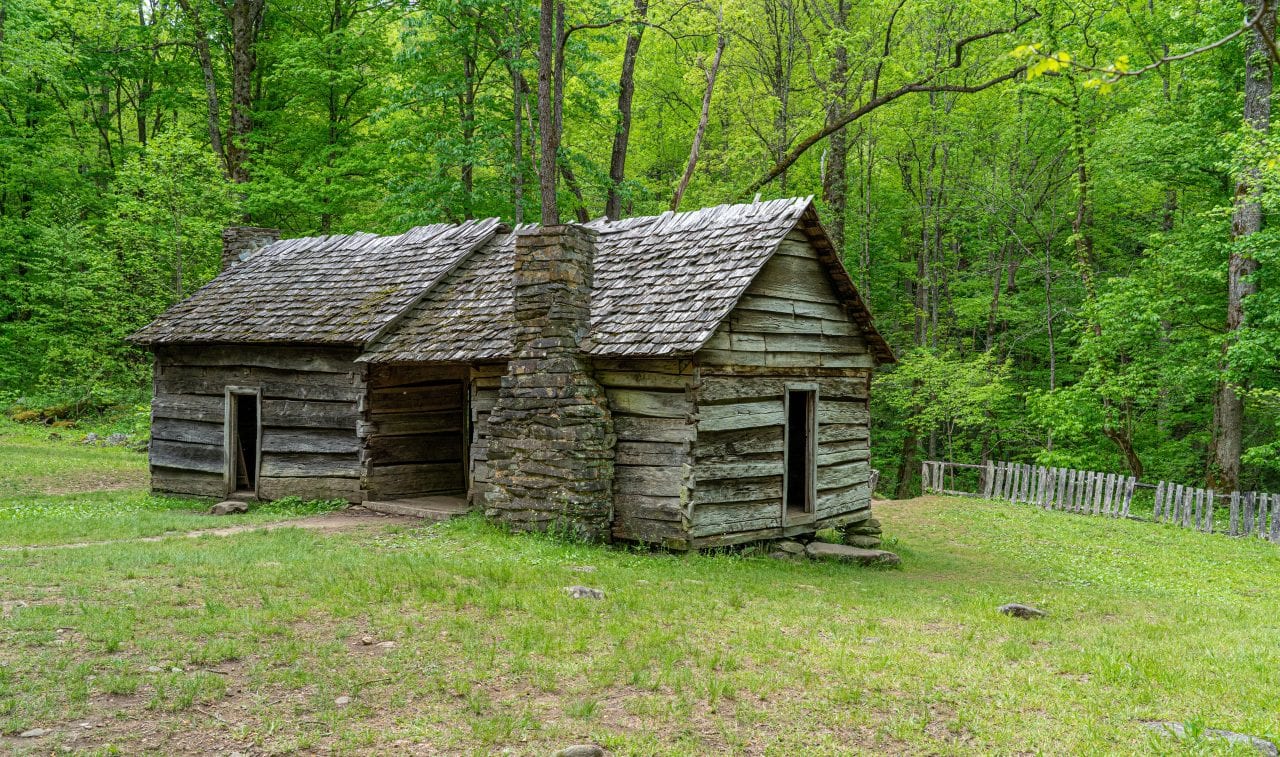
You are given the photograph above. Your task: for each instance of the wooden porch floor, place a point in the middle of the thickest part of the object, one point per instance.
(438, 507)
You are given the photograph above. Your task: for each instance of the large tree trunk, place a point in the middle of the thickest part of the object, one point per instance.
(548, 132)
(721, 41)
(1247, 220)
(246, 20)
(622, 135)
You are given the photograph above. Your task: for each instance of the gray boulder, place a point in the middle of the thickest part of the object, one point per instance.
(790, 547)
(1179, 731)
(843, 553)
(35, 733)
(117, 440)
(863, 541)
(584, 592)
(228, 507)
(1026, 612)
(580, 750)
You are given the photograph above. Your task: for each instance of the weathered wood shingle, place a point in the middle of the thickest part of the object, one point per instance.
(662, 286)
(320, 290)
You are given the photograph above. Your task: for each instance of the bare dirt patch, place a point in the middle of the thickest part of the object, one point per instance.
(351, 519)
(87, 482)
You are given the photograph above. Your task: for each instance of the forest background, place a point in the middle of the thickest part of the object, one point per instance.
(1056, 211)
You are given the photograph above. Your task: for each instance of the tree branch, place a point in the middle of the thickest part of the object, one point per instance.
(923, 84)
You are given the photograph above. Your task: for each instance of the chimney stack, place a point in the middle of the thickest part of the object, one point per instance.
(239, 243)
(551, 444)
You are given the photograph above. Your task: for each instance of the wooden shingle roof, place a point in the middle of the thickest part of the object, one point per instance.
(342, 289)
(662, 286)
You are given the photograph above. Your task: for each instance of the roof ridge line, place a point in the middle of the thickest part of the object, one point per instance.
(488, 228)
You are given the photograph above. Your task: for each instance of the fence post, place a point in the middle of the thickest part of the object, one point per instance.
(1275, 521)
(1235, 513)
(1155, 513)
(1248, 513)
(1262, 515)
(1128, 496)
(1210, 501)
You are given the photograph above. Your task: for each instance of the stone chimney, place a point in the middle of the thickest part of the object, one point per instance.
(239, 243)
(551, 438)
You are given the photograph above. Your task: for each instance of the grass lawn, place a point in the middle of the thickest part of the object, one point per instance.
(59, 492)
(254, 642)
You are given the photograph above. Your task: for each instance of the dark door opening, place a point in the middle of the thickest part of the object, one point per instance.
(245, 449)
(801, 451)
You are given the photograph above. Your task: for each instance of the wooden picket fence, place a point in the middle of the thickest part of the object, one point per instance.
(1076, 491)
(1251, 513)
(1105, 494)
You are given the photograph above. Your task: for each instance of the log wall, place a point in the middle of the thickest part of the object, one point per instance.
(652, 406)
(311, 404)
(787, 329)
(414, 431)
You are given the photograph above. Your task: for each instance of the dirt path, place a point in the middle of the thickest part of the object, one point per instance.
(344, 520)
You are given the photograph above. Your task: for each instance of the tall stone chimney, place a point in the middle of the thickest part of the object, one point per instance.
(551, 443)
(240, 242)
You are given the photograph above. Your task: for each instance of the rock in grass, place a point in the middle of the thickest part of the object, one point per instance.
(581, 750)
(229, 507)
(819, 550)
(35, 733)
(1178, 730)
(584, 592)
(117, 440)
(862, 541)
(342, 701)
(790, 547)
(1026, 612)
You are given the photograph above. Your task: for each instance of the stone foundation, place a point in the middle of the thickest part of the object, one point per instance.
(551, 445)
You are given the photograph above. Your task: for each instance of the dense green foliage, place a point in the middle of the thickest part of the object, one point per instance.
(1048, 255)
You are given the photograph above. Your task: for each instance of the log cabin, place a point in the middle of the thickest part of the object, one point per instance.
(689, 380)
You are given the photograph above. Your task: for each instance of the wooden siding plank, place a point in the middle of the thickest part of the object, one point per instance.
(204, 458)
(187, 482)
(285, 465)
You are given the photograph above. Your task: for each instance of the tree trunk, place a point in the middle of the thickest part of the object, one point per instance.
(1247, 220)
(210, 84)
(549, 135)
(517, 139)
(835, 179)
(246, 20)
(622, 134)
(906, 466)
(721, 41)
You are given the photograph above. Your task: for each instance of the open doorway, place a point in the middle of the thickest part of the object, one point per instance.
(800, 455)
(243, 441)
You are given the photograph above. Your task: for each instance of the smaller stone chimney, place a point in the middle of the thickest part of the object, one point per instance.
(239, 243)
(551, 437)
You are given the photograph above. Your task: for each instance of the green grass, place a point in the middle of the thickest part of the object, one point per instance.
(61, 491)
(243, 643)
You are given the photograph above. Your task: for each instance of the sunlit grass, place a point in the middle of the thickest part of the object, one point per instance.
(261, 635)
(687, 654)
